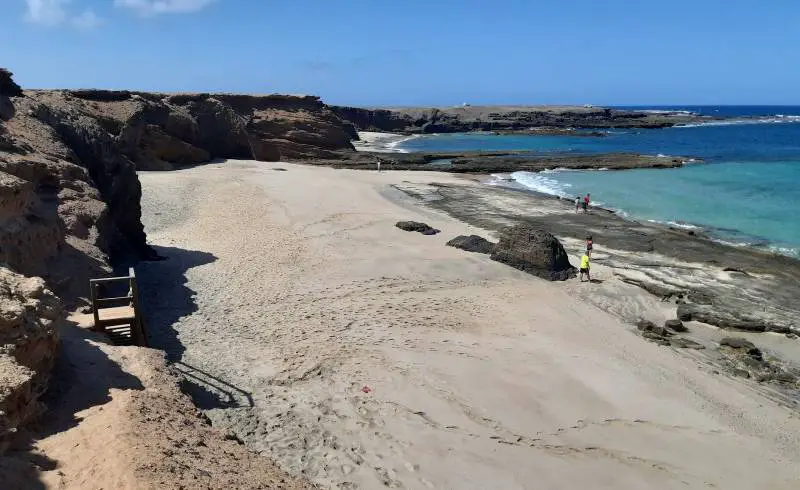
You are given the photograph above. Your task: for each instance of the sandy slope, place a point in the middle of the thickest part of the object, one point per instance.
(117, 420)
(289, 292)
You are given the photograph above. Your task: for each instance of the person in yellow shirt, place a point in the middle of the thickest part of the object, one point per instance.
(585, 268)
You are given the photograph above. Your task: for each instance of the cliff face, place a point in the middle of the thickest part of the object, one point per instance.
(161, 131)
(29, 319)
(502, 118)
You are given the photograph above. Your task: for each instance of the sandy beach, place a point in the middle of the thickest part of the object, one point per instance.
(360, 356)
(379, 142)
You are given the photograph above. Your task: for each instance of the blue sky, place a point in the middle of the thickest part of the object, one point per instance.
(414, 52)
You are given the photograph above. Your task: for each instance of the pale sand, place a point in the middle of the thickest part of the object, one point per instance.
(379, 142)
(295, 287)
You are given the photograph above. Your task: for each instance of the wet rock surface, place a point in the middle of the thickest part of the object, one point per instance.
(534, 251)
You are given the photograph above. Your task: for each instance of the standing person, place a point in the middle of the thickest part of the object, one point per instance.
(577, 203)
(589, 245)
(586, 203)
(585, 268)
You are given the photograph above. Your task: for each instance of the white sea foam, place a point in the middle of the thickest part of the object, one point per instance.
(735, 122)
(676, 224)
(666, 111)
(791, 252)
(393, 146)
(541, 183)
(557, 170)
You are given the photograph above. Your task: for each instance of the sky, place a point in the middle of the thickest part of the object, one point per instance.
(415, 52)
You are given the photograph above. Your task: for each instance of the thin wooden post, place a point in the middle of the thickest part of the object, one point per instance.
(93, 292)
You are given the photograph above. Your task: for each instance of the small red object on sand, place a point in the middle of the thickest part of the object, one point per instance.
(366, 389)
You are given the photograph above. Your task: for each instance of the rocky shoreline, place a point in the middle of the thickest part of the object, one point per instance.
(497, 162)
(696, 279)
(506, 118)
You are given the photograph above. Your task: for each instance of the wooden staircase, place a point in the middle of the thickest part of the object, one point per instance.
(118, 316)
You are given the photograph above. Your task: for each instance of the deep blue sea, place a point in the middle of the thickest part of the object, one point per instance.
(745, 191)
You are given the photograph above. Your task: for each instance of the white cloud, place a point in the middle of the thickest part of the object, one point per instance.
(46, 12)
(155, 7)
(54, 12)
(87, 20)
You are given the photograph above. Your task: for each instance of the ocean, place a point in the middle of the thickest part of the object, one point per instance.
(744, 191)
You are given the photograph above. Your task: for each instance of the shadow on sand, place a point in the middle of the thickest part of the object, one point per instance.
(165, 297)
(83, 377)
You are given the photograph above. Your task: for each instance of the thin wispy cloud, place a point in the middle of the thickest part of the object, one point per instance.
(46, 12)
(87, 20)
(56, 12)
(156, 7)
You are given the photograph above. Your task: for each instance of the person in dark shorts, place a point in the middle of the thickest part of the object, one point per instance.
(586, 203)
(585, 268)
(589, 245)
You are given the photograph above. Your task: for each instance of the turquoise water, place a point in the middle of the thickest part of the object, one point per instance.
(745, 191)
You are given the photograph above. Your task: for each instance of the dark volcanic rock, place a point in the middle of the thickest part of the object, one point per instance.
(502, 118)
(416, 226)
(7, 85)
(472, 243)
(737, 343)
(533, 251)
(648, 326)
(728, 319)
(675, 325)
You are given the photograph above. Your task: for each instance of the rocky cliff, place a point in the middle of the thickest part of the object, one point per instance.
(504, 118)
(29, 318)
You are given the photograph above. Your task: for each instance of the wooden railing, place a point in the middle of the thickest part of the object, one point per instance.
(118, 310)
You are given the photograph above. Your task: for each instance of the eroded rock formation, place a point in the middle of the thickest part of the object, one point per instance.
(29, 320)
(533, 251)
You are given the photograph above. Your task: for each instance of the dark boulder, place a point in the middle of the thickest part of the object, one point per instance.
(472, 243)
(416, 226)
(737, 343)
(646, 326)
(676, 325)
(534, 251)
(7, 85)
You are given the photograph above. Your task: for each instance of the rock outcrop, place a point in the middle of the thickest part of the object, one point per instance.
(472, 243)
(744, 359)
(504, 118)
(416, 226)
(7, 85)
(533, 251)
(162, 131)
(29, 319)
